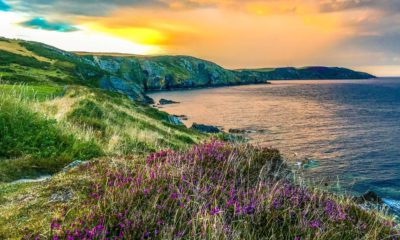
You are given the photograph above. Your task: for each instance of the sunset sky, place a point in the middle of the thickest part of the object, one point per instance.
(360, 34)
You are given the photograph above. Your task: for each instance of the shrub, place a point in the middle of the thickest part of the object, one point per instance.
(209, 192)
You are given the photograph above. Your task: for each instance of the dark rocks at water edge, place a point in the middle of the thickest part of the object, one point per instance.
(369, 197)
(205, 128)
(237, 131)
(166, 102)
(175, 120)
(244, 131)
(182, 117)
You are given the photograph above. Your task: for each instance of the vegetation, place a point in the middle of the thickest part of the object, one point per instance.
(139, 175)
(26, 92)
(214, 190)
(41, 137)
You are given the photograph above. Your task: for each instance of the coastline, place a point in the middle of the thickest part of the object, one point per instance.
(205, 87)
(393, 203)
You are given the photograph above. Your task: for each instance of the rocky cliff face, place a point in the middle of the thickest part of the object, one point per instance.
(177, 72)
(169, 72)
(134, 75)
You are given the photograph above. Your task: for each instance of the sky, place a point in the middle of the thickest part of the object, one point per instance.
(359, 34)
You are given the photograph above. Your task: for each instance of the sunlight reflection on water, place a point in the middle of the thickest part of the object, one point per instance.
(351, 127)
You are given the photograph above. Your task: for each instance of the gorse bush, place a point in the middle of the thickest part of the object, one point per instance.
(213, 191)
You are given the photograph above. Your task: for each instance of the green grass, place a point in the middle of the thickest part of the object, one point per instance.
(7, 58)
(31, 92)
(32, 145)
(43, 128)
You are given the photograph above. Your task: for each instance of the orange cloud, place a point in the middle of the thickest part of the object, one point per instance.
(252, 34)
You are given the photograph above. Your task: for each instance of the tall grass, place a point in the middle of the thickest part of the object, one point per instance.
(31, 144)
(214, 190)
(43, 130)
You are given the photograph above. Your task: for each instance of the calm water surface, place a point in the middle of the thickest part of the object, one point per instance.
(351, 127)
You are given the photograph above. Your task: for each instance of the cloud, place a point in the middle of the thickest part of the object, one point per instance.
(41, 23)
(105, 7)
(262, 32)
(390, 6)
(81, 8)
(4, 6)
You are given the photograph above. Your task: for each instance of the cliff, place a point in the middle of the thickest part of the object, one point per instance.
(132, 75)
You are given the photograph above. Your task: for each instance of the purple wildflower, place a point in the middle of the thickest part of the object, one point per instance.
(174, 195)
(315, 224)
(250, 209)
(55, 225)
(215, 211)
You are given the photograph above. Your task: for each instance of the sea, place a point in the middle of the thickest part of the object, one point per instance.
(343, 134)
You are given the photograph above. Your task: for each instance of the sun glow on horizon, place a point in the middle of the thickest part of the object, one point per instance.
(232, 33)
(84, 40)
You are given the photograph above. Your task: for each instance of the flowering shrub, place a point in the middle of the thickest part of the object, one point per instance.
(215, 190)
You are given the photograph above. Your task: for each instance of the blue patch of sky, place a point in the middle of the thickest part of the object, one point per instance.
(41, 23)
(4, 6)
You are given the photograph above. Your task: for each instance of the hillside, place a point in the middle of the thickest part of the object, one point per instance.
(306, 73)
(37, 63)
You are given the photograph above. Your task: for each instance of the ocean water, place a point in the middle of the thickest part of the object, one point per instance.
(351, 128)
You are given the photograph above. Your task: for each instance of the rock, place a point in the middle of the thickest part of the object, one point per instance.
(310, 163)
(175, 120)
(61, 196)
(237, 131)
(26, 198)
(181, 117)
(39, 179)
(205, 128)
(243, 131)
(73, 165)
(369, 197)
(148, 100)
(166, 101)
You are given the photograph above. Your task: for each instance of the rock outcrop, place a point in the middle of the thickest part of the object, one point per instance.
(205, 128)
(163, 101)
(369, 197)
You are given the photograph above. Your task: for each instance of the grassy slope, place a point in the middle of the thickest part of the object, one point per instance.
(81, 124)
(107, 124)
(39, 64)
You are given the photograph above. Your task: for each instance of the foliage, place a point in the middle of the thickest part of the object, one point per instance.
(7, 58)
(213, 191)
(33, 144)
(31, 92)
